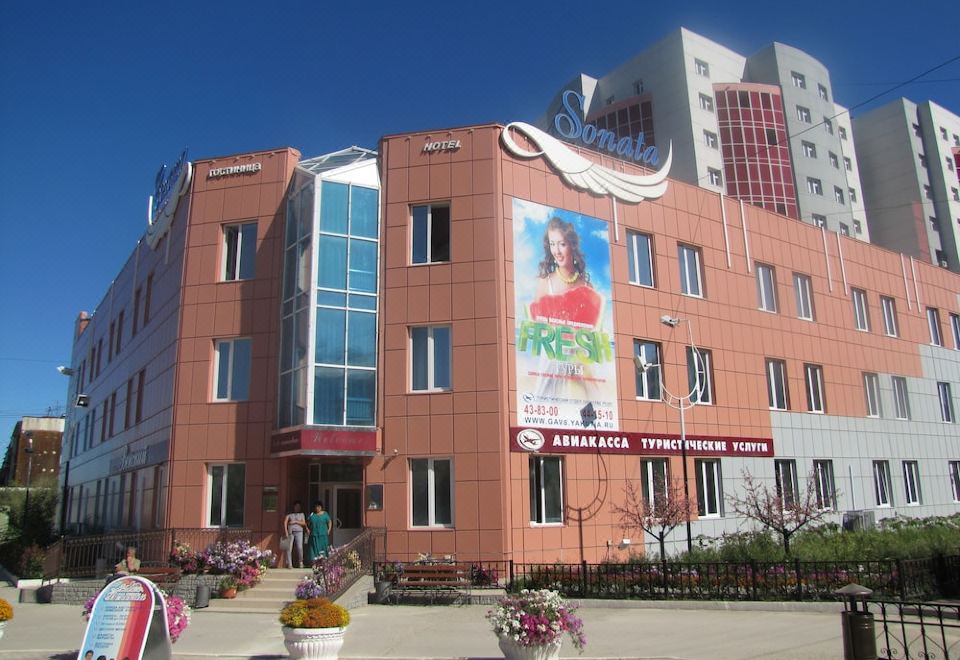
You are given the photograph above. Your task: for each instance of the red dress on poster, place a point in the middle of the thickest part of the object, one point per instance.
(579, 307)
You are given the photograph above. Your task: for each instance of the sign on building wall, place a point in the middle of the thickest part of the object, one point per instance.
(588, 441)
(565, 357)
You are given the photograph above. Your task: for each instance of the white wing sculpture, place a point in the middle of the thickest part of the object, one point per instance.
(584, 174)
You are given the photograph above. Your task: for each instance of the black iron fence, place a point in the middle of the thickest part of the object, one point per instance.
(916, 630)
(347, 563)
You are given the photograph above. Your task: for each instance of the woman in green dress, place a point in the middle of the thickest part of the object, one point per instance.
(320, 526)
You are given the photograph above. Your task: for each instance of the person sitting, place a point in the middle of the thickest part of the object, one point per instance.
(130, 564)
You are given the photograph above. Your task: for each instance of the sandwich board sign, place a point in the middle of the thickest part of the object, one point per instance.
(128, 622)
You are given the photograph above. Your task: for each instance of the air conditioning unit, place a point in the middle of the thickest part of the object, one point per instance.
(83, 401)
(855, 521)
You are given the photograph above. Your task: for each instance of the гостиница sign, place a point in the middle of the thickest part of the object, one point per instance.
(570, 126)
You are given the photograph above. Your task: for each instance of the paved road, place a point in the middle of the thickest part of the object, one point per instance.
(398, 632)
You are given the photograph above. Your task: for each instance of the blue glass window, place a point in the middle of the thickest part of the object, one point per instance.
(333, 207)
(331, 332)
(363, 266)
(332, 269)
(361, 391)
(362, 351)
(363, 212)
(328, 396)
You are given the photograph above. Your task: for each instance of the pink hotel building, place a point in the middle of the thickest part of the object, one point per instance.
(390, 332)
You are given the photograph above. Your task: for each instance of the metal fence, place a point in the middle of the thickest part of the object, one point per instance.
(89, 556)
(348, 563)
(916, 630)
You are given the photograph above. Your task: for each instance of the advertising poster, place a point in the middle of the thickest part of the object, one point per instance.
(120, 620)
(566, 371)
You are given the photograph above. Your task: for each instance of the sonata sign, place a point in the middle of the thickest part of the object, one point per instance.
(554, 441)
(570, 126)
(169, 187)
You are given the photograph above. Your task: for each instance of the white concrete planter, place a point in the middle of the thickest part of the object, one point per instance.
(313, 643)
(514, 651)
(3, 624)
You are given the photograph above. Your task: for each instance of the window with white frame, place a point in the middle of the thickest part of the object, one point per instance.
(844, 229)
(813, 376)
(927, 192)
(706, 102)
(901, 400)
(916, 130)
(943, 133)
(949, 162)
(822, 92)
(709, 488)
(871, 388)
(232, 369)
(799, 80)
(777, 393)
(648, 380)
(881, 484)
(710, 139)
(843, 132)
(715, 176)
(889, 308)
(828, 125)
(861, 314)
(225, 494)
(847, 164)
(803, 294)
(654, 478)
(431, 492)
(814, 186)
(953, 192)
(955, 330)
(703, 69)
(786, 474)
(803, 114)
(430, 358)
(911, 482)
(431, 234)
(825, 484)
(239, 251)
(691, 274)
(766, 288)
(809, 149)
(838, 195)
(834, 160)
(819, 220)
(954, 467)
(946, 403)
(640, 258)
(546, 490)
(933, 323)
(853, 198)
(700, 375)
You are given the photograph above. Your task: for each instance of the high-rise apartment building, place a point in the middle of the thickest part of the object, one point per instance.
(908, 153)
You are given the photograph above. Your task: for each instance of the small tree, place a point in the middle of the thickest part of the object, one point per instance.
(657, 518)
(783, 515)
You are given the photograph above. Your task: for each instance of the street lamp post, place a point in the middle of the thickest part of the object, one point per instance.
(681, 403)
(29, 451)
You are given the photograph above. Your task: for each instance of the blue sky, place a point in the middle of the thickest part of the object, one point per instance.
(95, 96)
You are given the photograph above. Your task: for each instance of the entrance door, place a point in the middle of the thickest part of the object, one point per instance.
(347, 513)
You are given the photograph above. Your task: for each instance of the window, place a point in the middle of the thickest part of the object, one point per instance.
(901, 400)
(777, 393)
(640, 258)
(136, 312)
(916, 130)
(954, 467)
(953, 192)
(710, 139)
(706, 102)
(431, 492)
(911, 482)
(838, 194)
(813, 375)
(803, 293)
(949, 163)
(110, 342)
(709, 488)
(803, 114)
(772, 136)
(766, 288)
(225, 492)
(861, 315)
(431, 234)
(933, 323)
(955, 329)
(828, 125)
(147, 298)
(610, 100)
(871, 387)
(814, 187)
(822, 92)
(847, 164)
(128, 404)
(700, 375)
(844, 229)
(638, 86)
(927, 192)
(786, 474)
(239, 251)
(881, 483)
(923, 160)
(946, 403)
(716, 178)
(943, 133)
(138, 408)
(690, 271)
(703, 69)
(809, 149)
(430, 357)
(819, 220)
(825, 484)
(853, 195)
(546, 490)
(889, 307)
(119, 332)
(654, 479)
(648, 380)
(799, 80)
(842, 132)
(857, 227)
(834, 161)
(232, 370)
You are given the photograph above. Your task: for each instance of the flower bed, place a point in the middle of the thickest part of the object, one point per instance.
(537, 618)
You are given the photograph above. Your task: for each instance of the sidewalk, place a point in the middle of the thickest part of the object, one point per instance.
(41, 632)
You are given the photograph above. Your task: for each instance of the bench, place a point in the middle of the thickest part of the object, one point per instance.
(432, 580)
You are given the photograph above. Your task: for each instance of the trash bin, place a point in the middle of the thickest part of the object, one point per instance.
(202, 597)
(859, 634)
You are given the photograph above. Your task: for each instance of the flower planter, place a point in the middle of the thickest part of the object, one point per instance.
(228, 593)
(3, 624)
(313, 643)
(512, 650)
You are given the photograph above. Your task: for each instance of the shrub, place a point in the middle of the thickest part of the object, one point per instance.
(314, 613)
(31, 562)
(6, 611)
